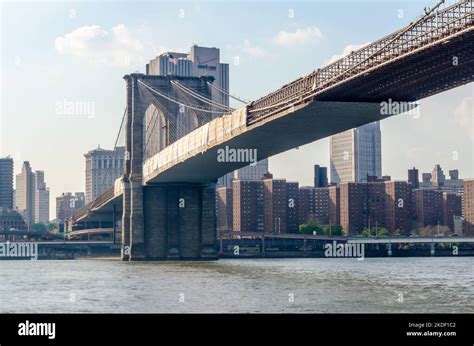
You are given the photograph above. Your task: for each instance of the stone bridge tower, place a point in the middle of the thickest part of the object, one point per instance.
(164, 221)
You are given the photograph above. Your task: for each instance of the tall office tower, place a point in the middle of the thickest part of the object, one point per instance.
(32, 195)
(425, 182)
(398, 206)
(426, 177)
(248, 206)
(320, 176)
(452, 206)
(24, 193)
(454, 174)
(454, 184)
(67, 203)
(224, 209)
(6, 183)
(201, 61)
(103, 167)
(428, 207)
(355, 154)
(334, 205)
(40, 198)
(437, 177)
(413, 178)
(468, 206)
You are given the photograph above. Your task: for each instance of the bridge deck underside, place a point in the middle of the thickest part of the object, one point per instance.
(103, 212)
(428, 71)
(287, 130)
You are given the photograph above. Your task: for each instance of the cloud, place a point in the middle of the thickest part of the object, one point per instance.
(464, 116)
(98, 46)
(253, 51)
(346, 51)
(306, 35)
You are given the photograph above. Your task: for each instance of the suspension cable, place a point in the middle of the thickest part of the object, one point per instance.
(228, 94)
(150, 129)
(202, 97)
(115, 147)
(176, 101)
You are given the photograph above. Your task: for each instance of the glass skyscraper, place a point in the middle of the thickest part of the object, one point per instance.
(356, 154)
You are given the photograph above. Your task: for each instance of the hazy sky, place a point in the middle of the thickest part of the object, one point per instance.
(52, 52)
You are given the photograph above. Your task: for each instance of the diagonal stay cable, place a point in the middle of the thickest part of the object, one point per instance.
(240, 99)
(115, 147)
(202, 98)
(169, 98)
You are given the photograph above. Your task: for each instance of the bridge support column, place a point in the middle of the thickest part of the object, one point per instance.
(133, 223)
(389, 249)
(208, 222)
(180, 222)
(432, 250)
(137, 236)
(126, 221)
(154, 209)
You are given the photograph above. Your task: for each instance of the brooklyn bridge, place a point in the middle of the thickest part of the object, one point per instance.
(165, 201)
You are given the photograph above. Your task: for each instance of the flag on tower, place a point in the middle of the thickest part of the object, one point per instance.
(172, 59)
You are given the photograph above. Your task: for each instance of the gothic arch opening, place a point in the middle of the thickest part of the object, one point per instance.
(155, 131)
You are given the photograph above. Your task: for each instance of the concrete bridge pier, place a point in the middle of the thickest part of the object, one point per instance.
(133, 246)
(137, 239)
(125, 251)
(133, 242)
(180, 222)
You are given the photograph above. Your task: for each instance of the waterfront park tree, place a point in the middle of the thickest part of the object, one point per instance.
(314, 226)
(365, 233)
(333, 230)
(311, 227)
(383, 232)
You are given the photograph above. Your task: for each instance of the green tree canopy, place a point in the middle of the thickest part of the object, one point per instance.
(333, 230)
(383, 232)
(311, 227)
(366, 233)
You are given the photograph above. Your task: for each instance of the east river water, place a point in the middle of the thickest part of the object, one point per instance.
(373, 285)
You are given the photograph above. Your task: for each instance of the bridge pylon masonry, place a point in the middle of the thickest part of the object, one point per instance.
(172, 221)
(180, 222)
(177, 222)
